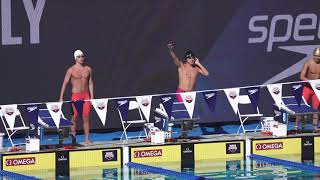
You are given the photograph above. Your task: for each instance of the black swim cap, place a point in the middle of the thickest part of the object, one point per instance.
(189, 54)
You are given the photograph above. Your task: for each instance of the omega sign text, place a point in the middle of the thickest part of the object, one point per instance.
(148, 153)
(269, 146)
(20, 161)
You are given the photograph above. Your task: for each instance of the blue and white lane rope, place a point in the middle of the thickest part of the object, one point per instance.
(15, 176)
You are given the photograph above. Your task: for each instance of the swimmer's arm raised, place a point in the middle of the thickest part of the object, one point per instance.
(175, 59)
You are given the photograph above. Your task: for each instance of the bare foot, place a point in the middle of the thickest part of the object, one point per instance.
(87, 142)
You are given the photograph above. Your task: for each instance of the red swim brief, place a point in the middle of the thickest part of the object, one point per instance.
(307, 94)
(178, 96)
(86, 104)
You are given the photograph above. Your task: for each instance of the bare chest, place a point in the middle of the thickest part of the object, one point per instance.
(314, 69)
(189, 72)
(80, 73)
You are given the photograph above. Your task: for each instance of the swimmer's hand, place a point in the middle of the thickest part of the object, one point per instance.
(170, 46)
(196, 61)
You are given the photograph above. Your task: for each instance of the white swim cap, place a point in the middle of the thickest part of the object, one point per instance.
(77, 53)
(316, 52)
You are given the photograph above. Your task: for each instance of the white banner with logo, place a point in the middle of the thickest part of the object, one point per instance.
(233, 97)
(10, 112)
(100, 105)
(54, 109)
(276, 92)
(189, 99)
(315, 84)
(145, 105)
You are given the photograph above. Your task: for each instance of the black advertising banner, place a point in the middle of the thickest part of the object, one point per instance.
(307, 149)
(187, 156)
(62, 164)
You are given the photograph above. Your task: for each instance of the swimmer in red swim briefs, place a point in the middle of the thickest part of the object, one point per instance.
(188, 70)
(82, 89)
(310, 71)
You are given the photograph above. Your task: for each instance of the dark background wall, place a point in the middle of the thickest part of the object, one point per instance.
(125, 44)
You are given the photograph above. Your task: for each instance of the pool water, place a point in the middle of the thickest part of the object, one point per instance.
(247, 169)
(239, 169)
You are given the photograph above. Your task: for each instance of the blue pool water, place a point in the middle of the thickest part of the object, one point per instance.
(248, 169)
